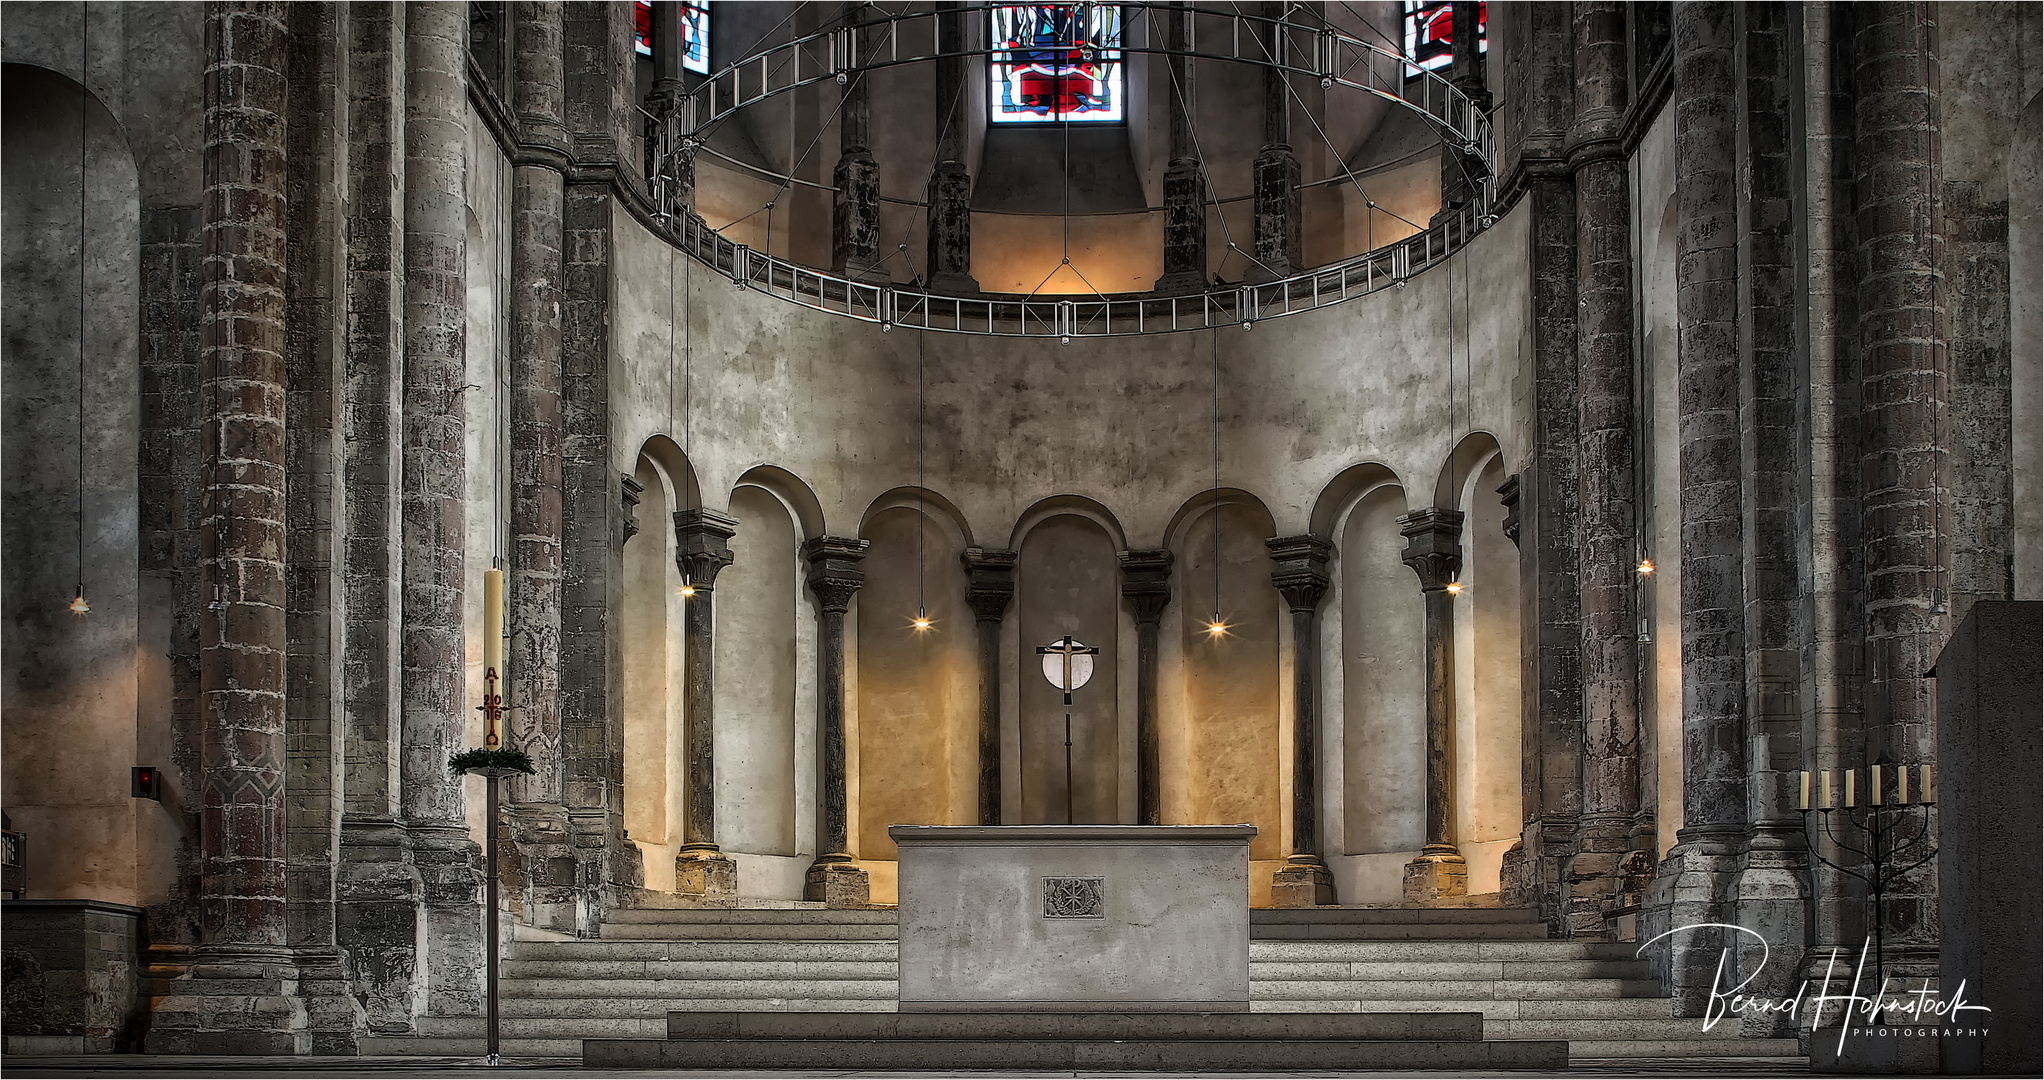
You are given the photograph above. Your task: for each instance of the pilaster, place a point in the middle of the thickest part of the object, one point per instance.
(834, 578)
(1301, 578)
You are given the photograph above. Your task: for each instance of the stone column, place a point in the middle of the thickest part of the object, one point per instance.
(1185, 183)
(668, 42)
(1434, 552)
(1905, 402)
(855, 207)
(539, 828)
(241, 993)
(377, 890)
(704, 550)
(1275, 175)
(1768, 892)
(949, 263)
(990, 585)
(834, 576)
(316, 150)
(1607, 542)
(1697, 873)
(1552, 701)
(1301, 578)
(1146, 585)
(432, 507)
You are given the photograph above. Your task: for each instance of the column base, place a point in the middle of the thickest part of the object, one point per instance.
(954, 284)
(705, 872)
(1183, 283)
(334, 1019)
(232, 1001)
(837, 885)
(1436, 875)
(1302, 885)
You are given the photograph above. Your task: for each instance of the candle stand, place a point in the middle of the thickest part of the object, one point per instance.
(1896, 839)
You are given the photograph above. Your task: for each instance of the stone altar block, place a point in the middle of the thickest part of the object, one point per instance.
(1074, 918)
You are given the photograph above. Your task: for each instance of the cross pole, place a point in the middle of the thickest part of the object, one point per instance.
(1066, 648)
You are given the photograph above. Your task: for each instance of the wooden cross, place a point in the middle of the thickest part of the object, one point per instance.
(1067, 648)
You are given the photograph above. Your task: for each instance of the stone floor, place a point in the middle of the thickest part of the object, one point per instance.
(152, 1066)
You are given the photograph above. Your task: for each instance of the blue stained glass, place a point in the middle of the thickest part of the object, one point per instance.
(1055, 62)
(695, 35)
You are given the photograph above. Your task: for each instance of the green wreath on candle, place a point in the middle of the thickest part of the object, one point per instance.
(499, 761)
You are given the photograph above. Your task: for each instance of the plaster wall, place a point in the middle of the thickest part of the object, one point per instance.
(1067, 582)
(1382, 749)
(487, 420)
(756, 651)
(71, 427)
(1230, 765)
(1487, 735)
(1660, 602)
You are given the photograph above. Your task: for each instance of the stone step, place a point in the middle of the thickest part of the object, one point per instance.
(1390, 990)
(706, 989)
(1611, 1008)
(668, 931)
(1397, 931)
(451, 1046)
(808, 952)
(801, 916)
(1610, 1029)
(1464, 951)
(1084, 1027)
(1515, 970)
(701, 970)
(1686, 1048)
(951, 1056)
(1399, 913)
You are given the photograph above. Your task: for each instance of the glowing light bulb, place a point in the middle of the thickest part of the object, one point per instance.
(78, 604)
(1454, 587)
(1216, 627)
(688, 588)
(922, 619)
(1645, 567)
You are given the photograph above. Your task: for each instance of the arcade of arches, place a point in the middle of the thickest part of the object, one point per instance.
(1540, 575)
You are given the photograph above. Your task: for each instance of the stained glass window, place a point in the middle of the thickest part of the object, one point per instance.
(1430, 33)
(695, 35)
(1055, 62)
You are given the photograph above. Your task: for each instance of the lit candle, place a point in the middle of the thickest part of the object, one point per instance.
(493, 622)
(1805, 804)
(1826, 774)
(1850, 776)
(1874, 785)
(1902, 784)
(1925, 785)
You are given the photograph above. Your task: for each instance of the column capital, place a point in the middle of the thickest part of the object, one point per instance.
(1508, 494)
(1146, 582)
(990, 581)
(834, 572)
(1433, 545)
(630, 490)
(1301, 573)
(703, 544)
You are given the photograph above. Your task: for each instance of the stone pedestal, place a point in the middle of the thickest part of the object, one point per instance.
(1436, 876)
(1988, 824)
(1302, 885)
(234, 1000)
(1074, 918)
(705, 873)
(837, 885)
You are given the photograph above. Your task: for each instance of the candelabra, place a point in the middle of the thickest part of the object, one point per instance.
(1891, 849)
